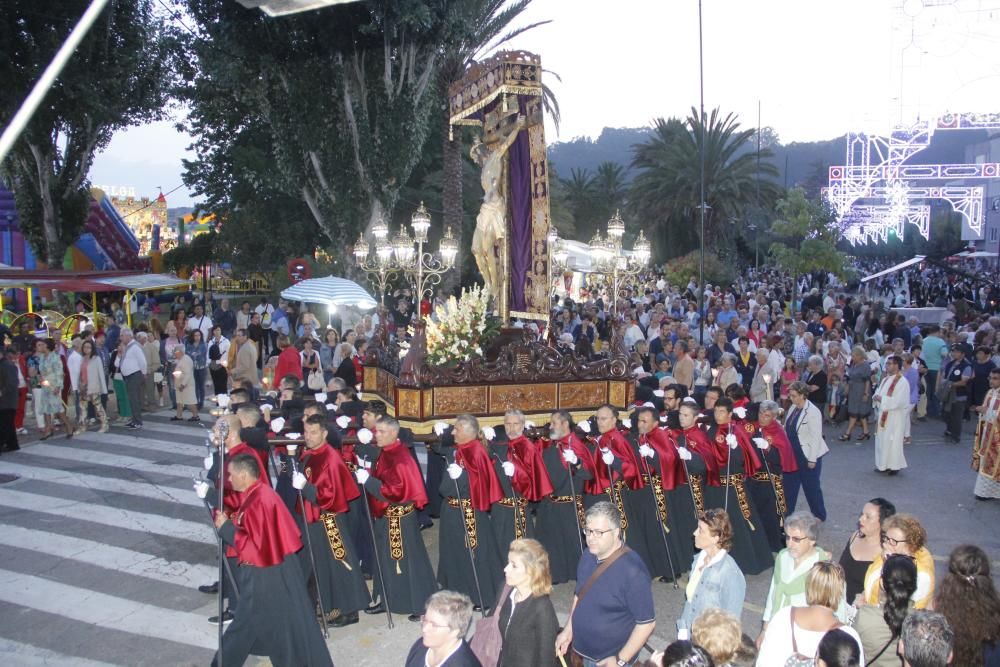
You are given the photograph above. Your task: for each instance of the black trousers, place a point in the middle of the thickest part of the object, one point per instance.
(954, 416)
(8, 432)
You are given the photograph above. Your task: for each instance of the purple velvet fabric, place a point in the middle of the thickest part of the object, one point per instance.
(520, 212)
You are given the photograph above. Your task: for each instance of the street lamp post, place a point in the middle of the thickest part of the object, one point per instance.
(385, 260)
(752, 228)
(608, 258)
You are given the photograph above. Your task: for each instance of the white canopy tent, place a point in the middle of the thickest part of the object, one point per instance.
(893, 269)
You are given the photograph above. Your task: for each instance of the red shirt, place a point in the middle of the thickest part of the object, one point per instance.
(289, 363)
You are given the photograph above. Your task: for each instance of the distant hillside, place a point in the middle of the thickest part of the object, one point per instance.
(806, 162)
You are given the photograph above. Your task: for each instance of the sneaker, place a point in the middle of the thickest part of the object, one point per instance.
(227, 618)
(22, 431)
(133, 426)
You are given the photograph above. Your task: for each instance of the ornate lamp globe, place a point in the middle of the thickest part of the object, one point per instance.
(600, 255)
(553, 237)
(642, 250)
(448, 249)
(380, 230)
(616, 228)
(421, 222)
(361, 250)
(383, 251)
(402, 246)
(560, 255)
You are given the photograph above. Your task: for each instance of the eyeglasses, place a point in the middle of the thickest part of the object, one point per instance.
(794, 539)
(593, 532)
(892, 542)
(424, 621)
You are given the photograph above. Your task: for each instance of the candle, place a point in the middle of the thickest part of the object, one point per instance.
(177, 374)
(292, 448)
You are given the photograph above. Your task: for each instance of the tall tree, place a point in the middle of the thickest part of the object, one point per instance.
(807, 234)
(121, 75)
(610, 188)
(580, 192)
(667, 186)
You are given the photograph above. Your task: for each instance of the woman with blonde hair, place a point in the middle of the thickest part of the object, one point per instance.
(903, 534)
(718, 632)
(527, 619)
(443, 627)
(797, 631)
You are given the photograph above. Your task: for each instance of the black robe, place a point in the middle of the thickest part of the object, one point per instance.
(556, 523)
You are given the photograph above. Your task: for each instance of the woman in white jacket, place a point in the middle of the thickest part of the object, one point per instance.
(804, 426)
(92, 384)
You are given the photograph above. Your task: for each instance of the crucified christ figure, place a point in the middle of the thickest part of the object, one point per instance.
(491, 223)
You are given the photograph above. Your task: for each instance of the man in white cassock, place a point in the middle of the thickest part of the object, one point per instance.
(892, 401)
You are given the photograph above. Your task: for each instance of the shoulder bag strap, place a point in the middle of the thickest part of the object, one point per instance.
(601, 569)
(879, 654)
(791, 622)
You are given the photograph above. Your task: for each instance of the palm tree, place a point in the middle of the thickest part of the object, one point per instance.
(480, 26)
(666, 190)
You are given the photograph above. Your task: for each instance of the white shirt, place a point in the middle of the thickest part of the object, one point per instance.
(223, 344)
(203, 324)
(266, 309)
(73, 362)
(133, 360)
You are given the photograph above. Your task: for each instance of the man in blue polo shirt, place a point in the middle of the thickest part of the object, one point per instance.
(613, 615)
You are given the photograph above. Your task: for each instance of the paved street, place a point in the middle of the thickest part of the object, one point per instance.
(104, 545)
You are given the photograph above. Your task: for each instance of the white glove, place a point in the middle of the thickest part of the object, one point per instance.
(658, 393)
(607, 456)
(331, 406)
(627, 422)
(208, 462)
(508, 468)
(489, 433)
(454, 470)
(663, 418)
(732, 441)
(299, 481)
(365, 463)
(761, 443)
(272, 394)
(222, 400)
(584, 426)
(569, 456)
(648, 404)
(293, 436)
(684, 453)
(343, 421)
(361, 475)
(740, 412)
(529, 424)
(321, 397)
(266, 406)
(646, 451)
(277, 424)
(364, 436)
(440, 428)
(201, 488)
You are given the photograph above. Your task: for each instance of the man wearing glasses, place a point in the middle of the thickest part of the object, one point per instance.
(613, 613)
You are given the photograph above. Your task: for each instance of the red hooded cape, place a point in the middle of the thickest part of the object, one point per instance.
(400, 477)
(671, 469)
(484, 487)
(531, 479)
(265, 532)
(619, 446)
(697, 441)
(335, 486)
(597, 485)
(750, 461)
(775, 434)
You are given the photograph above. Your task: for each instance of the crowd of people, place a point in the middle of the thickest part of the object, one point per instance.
(695, 484)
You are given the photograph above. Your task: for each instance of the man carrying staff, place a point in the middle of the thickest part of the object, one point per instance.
(892, 400)
(276, 616)
(395, 493)
(327, 487)
(470, 490)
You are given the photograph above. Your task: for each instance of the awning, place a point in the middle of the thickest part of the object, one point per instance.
(91, 281)
(898, 267)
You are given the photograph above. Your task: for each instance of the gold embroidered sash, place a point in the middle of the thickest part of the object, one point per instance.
(469, 518)
(569, 499)
(736, 481)
(520, 517)
(395, 514)
(334, 538)
(698, 491)
(655, 483)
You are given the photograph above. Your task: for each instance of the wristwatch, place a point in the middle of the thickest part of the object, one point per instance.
(620, 662)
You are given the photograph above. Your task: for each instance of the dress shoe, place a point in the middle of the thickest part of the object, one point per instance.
(376, 609)
(227, 618)
(344, 620)
(984, 498)
(893, 472)
(413, 618)
(211, 589)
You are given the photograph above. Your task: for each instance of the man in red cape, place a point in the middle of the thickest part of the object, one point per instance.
(276, 617)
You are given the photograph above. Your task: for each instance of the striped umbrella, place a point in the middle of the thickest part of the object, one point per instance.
(330, 290)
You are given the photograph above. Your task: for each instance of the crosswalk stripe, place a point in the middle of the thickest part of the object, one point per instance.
(27, 655)
(126, 561)
(70, 453)
(176, 429)
(153, 524)
(139, 442)
(106, 611)
(142, 489)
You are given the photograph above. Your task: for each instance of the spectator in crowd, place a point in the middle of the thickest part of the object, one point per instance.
(968, 600)
(816, 381)
(926, 640)
(719, 633)
(527, 622)
(715, 580)
(903, 534)
(443, 627)
(797, 631)
(793, 564)
(954, 384)
(612, 614)
(804, 427)
(682, 653)
(879, 626)
(864, 545)
(859, 394)
(838, 649)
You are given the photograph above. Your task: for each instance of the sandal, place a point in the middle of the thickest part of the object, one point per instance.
(177, 419)
(845, 437)
(866, 436)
